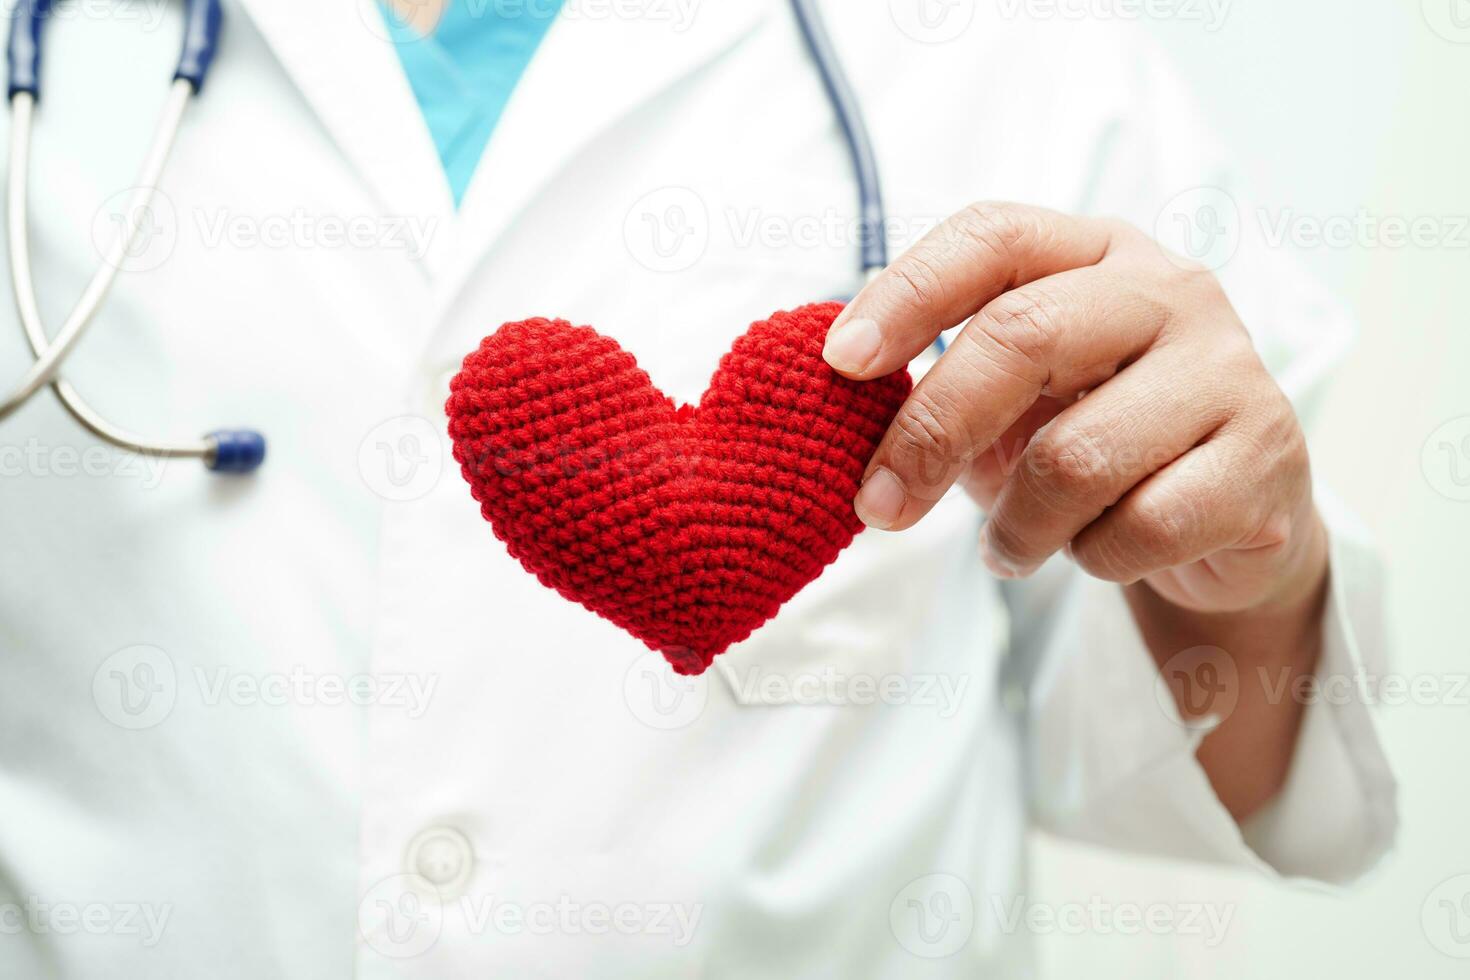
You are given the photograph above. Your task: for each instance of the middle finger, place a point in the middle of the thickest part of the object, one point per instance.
(1098, 449)
(1058, 336)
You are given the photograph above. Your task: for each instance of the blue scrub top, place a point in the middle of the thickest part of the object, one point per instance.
(463, 72)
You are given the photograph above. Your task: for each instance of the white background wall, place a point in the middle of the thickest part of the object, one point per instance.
(1335, 108)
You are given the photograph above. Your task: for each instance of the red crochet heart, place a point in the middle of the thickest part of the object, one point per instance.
(687, 526)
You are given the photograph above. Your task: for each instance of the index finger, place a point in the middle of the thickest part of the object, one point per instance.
(1060, 336)
(974, 257)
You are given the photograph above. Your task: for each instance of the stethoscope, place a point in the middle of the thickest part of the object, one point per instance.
(223, 451)
(243, 450)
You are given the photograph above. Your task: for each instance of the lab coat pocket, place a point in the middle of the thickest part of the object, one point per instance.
(857, 635)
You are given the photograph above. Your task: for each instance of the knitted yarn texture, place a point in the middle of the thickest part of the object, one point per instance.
(687, 526)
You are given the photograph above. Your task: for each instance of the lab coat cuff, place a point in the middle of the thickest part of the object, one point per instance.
(1140, 787)
(1337, 815)
(1117, 764)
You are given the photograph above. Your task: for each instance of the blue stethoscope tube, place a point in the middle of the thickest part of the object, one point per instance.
(873, 214)
(241, 451)
(873, 218)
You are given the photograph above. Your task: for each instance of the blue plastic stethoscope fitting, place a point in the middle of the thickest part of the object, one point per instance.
(225, 451)
(202, 20)
(235, 451)
(242, 451)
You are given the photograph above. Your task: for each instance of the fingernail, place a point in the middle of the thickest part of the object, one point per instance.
(851, 346)
(879, 503)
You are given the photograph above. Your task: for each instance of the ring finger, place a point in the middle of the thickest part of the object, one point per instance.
(1097, 450)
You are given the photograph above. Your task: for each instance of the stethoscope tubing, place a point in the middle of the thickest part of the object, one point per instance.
(872, 215)
(231, 451)
(242, 451)
(23, 285)
(51, 355)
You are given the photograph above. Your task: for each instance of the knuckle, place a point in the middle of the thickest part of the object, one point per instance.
(1211, 464)
(1145, 538)
(1299, 457)
(1152, 308)
(1284, 418)
(1276, 532)
(1195, 284)
(1097, 555)
(920, 425)
(995, 226)
(1156, 528)
(919, 279)
(988, 361)
(923, 443)
(1272, 439)
(1069, 462)
(1024, 324)
(1236, 353)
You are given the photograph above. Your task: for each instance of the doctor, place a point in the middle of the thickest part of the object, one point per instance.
(316, 722)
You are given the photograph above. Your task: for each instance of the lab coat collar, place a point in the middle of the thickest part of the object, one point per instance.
(591, 71)
(599, 61)
(340, 56)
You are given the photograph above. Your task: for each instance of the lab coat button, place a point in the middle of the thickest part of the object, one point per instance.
(443, 857)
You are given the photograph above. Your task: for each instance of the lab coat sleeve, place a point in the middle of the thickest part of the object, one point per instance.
(1111, 761)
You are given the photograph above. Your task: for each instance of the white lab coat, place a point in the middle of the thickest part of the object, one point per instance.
(317, 723)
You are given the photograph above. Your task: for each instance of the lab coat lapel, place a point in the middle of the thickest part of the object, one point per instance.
(589, 73)
(339, 55)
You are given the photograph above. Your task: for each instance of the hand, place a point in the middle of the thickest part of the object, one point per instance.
(1103, 399)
